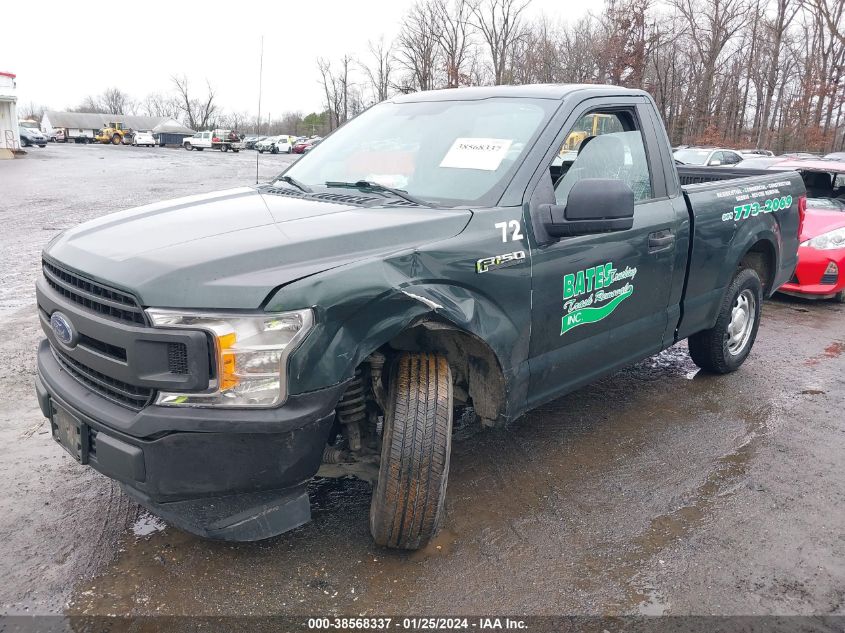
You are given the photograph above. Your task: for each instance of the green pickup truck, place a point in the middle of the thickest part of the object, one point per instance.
(444, 253)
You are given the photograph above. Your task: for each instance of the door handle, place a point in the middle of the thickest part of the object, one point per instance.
(660, 240)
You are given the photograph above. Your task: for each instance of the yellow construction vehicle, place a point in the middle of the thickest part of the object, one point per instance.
(114, 134)
(590, 125)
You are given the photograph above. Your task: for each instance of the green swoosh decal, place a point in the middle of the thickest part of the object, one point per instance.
(592, 315)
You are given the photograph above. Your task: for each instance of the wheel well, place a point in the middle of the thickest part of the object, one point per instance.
(761, 257)
(476, 371)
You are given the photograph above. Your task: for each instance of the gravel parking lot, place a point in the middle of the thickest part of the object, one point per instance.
(656, 490)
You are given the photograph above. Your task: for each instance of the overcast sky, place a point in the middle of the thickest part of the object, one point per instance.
(64, 50)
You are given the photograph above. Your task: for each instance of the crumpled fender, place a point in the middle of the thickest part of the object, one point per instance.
(362, 306)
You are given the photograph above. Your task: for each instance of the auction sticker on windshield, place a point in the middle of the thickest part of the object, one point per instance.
(476, 153)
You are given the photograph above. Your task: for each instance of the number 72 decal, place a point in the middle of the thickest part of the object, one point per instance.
(513, 225)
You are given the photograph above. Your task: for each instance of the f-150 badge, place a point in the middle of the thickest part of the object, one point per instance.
(599, 301)
(499, 261)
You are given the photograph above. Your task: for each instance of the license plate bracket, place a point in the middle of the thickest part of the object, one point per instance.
(71, 433)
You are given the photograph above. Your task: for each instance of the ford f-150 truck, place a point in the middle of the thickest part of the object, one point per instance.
(437, 254)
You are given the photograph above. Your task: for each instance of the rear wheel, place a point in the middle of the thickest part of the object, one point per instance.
(724, 347)
(224, 148)
(189, 147)
(407, 503)
(115, 140)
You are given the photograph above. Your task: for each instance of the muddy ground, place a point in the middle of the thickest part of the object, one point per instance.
(656, 490)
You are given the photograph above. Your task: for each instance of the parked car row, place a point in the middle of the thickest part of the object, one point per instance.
(281, 143)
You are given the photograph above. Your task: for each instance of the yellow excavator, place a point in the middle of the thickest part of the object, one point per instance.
(590, 125)
(114, 133)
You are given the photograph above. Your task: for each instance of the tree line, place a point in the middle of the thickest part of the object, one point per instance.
(197, 107)
(741, 73)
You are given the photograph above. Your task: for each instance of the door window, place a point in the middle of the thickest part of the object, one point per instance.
(603, 145)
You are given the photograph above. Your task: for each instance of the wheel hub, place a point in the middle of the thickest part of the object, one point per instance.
(741, 324)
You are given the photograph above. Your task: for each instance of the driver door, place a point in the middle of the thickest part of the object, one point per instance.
(599, 301)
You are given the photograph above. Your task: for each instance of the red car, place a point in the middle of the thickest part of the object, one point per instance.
(821, 255)
(300, 146)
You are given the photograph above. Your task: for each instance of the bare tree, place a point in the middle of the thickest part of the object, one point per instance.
(712, 24)
(158, 105)
(198, 112)
(234, 120)
(777, 29)
(417, 46)
(380, 73)
(336, 87)
(115, 101)
(454, 39)
(31, 111)
(500, 24)
(89, 104)
(831, 12)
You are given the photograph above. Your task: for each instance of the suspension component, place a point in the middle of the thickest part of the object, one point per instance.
(377, 360)
(334, 455)
(352, 411)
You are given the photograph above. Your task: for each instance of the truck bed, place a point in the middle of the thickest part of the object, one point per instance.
(692, 175)
(746, 210)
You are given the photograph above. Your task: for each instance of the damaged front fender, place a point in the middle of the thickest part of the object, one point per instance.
(365, 305)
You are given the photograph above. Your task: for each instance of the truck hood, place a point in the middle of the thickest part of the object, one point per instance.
(229, 249)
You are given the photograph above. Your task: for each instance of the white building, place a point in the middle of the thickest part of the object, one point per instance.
(9, 136)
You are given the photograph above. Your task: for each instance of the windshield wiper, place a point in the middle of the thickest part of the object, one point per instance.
(378, 188)
(293, 181)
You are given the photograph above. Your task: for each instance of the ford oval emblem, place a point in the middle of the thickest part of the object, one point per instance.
(63, 329)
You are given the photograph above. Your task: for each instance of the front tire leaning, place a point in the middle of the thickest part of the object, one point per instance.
(408, 500)
(723, 348)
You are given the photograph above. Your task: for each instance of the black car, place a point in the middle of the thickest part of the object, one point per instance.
(30, 136)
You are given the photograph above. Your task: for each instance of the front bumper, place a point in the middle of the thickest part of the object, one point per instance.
(810, 279)
(227, 474)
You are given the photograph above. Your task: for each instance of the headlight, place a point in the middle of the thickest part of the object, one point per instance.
(827, 241)
(251, 351)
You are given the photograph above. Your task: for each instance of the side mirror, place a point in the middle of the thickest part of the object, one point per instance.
(715, 162)
(594, 205)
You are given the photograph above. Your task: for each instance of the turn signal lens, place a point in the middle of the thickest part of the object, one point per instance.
(228, 378)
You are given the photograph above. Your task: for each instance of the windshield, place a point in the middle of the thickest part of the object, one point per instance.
(692, 156)
(454, 152)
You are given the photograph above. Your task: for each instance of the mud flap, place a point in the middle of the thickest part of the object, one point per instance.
(244, 517)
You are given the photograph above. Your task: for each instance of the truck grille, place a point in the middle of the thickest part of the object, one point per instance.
(93, 296)
(117, 391)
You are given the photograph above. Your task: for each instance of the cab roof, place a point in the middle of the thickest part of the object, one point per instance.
(529, 91)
